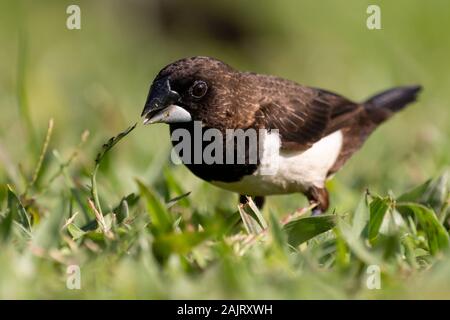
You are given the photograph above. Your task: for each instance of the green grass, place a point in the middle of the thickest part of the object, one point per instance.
(141, 227)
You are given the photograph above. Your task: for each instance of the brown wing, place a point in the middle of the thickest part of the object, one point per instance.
(305, 115)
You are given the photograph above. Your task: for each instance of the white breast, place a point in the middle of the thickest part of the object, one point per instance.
(280, 172)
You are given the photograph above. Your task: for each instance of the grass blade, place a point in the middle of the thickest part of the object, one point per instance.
(378, 208)
(250, 222)
(105, 148)
(41, 156)
(262, 222)
(361, 216)
(356, 244)
(304, 229)
(175, 190)
(160, 217)
(75, 231)
(437, 236)
(279, 237)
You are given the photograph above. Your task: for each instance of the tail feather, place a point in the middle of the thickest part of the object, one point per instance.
(383, 105)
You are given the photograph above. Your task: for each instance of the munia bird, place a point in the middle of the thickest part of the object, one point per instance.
(311, 132)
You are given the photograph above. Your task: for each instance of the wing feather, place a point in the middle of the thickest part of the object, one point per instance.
(304, 115)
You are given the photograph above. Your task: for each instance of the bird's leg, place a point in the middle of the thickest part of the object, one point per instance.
(258, 200)
(318, 196)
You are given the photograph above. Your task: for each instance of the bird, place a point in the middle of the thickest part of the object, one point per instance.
(310, 132)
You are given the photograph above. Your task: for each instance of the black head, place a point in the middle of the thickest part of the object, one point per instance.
(188, 90)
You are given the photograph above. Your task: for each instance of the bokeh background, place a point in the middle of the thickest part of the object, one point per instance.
(97, 79)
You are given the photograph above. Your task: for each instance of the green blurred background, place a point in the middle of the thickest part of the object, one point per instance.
(97, 79)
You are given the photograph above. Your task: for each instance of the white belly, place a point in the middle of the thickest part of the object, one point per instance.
(280, 172)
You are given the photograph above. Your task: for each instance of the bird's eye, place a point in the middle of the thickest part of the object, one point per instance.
(198, 90)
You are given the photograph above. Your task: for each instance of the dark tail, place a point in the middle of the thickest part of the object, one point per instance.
(383, 105)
